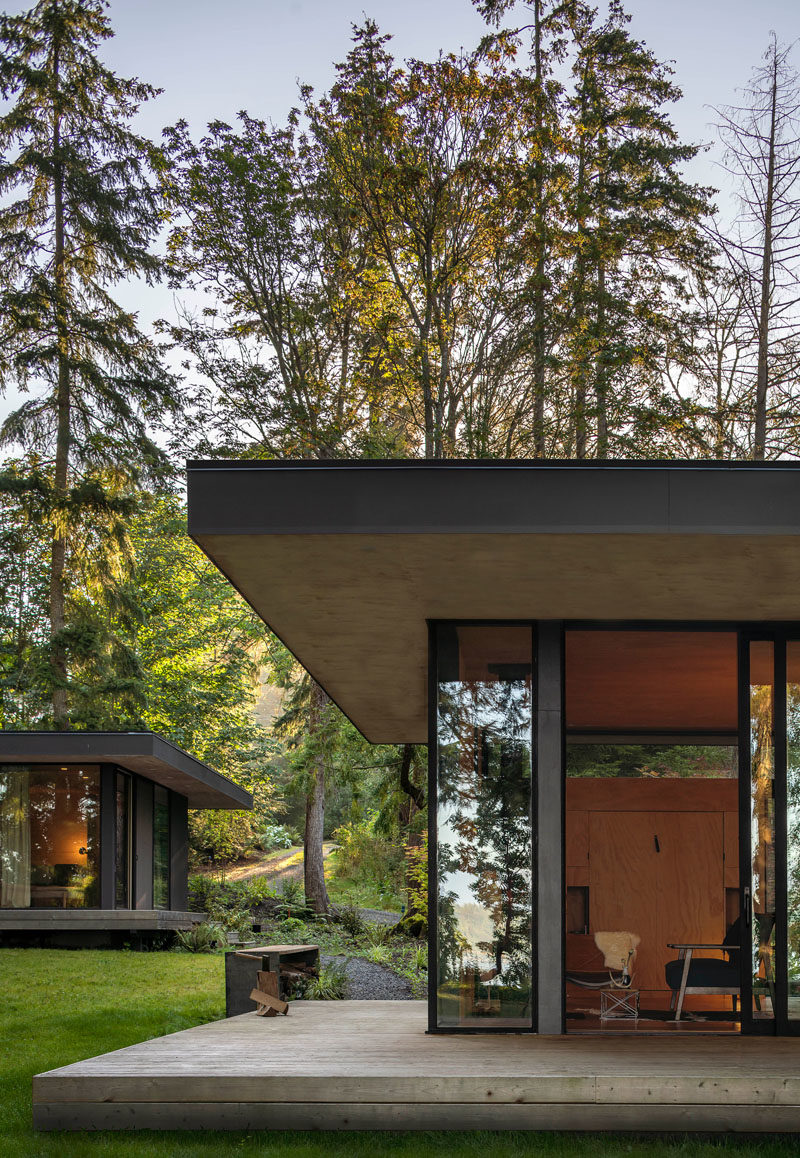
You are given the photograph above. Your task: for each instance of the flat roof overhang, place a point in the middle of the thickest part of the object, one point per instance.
(146, 753)
(346, 561)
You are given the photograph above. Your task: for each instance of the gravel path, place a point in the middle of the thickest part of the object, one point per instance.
(379, 917)
(368, 982)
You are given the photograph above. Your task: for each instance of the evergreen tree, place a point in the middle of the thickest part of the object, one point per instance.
(542, 181)
(78, 213)
(633, 232)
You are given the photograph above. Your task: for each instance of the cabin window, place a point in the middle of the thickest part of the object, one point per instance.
(484, 853)
(122, 841)
(160, 848)
(49, 828)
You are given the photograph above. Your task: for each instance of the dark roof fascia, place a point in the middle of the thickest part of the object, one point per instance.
(146, 753)
(308, 497)
(490, 463)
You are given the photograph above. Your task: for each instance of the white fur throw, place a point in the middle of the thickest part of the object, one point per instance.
(618, 949)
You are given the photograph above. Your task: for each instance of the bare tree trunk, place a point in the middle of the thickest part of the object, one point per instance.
(760, 439)
(59, 548)
(313, 858)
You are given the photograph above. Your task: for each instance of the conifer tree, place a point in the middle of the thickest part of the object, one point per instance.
(633, 226)
(546, 22)
(78, 211)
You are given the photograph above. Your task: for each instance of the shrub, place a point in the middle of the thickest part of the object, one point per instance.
(350, 919)
(331, 985)
(276, 836)
(290, 926)
(203, 891)
(365, 857)
(414, 923)
(376, 934)
(419, 958)
(202, 938)
(378, 954)
(291, 900)
(232, 920)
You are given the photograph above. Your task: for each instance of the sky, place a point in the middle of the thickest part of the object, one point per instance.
(214, 58)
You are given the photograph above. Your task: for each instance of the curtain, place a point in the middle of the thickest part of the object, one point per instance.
(15, 840)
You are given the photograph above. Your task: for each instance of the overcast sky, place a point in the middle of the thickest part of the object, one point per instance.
(213, 58)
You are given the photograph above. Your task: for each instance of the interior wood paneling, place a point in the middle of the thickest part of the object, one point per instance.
(577, 838)
(623, 883)
(609, 793)
(731, 843)
(661, 853)
(688, 871)
(630, 680)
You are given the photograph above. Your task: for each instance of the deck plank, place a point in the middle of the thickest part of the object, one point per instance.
(369, 1064)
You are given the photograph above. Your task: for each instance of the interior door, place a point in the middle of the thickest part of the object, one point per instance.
(659, 875)
(690, 875)
(623, 884)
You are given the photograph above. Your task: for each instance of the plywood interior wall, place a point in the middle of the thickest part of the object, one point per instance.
(659, 858)
(636, 680)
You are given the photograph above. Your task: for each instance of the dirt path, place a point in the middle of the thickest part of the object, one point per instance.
(282, 864)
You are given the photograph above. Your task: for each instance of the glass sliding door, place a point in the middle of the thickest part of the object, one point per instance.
(483, 852)
(122, 841)
(760, 892)
(793, 833)
(49, 836)
(160, 848)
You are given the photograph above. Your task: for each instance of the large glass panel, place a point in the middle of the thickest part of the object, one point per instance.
(651, 828)
(160, 848)
(122, 841)
(49, 846)
(793, 824)
(762, 825)
(484, 826)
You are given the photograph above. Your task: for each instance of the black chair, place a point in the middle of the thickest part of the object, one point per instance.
(705, 975)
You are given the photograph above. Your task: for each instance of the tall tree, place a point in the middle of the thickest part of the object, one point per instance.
(289, 337)
(542, 176)
(424, 155)
(762, 153)
(633, 229)
(78, 213)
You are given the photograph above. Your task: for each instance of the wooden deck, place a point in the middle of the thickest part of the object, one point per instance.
(351, 1065)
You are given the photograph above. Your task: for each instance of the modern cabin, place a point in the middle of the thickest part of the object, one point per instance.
(94, 835)
(604, 661)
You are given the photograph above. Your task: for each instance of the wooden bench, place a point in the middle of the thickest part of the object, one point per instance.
(243, 966)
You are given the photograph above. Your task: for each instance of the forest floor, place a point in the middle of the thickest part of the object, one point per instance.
(118, 998)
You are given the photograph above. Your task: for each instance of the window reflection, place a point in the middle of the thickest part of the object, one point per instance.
(160, 848)
(793, 823)
(122, 841)
(49, 846)
(484, 826)
(762, 824)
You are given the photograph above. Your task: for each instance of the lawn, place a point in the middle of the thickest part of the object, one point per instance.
(60, 1006)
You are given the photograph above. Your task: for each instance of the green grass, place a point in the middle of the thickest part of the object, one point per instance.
(59, 1006)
